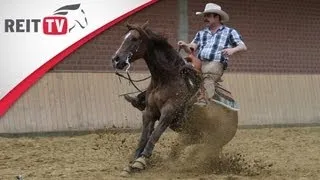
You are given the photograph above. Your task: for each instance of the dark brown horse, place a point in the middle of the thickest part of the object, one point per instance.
(172, 90)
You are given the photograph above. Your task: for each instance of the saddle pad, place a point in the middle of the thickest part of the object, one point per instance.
(232, 105)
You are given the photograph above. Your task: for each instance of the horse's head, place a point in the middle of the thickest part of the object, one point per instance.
(133, 46)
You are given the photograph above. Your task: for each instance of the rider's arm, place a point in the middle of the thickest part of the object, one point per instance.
(237, 41)
(240, 47)
(193, 46)
(194, 43)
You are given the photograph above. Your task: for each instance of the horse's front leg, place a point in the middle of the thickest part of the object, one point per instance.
(164, 121)
(147, 129)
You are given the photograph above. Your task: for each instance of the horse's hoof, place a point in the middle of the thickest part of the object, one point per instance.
(126, 171)
(139, 163)
(124, 174)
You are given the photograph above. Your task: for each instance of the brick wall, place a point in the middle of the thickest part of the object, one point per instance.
(96, 54)
(281, 35)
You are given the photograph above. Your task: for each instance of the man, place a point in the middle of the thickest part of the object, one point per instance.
(213, 46)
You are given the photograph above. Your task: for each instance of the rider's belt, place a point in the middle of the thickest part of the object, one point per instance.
(224, 63)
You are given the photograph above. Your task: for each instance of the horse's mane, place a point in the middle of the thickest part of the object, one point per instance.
(168, 57)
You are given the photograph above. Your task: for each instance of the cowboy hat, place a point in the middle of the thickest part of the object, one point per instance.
(215, 8)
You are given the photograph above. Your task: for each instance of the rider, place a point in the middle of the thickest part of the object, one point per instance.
(213, 45)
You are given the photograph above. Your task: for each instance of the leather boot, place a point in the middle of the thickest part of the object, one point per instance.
(135, 102)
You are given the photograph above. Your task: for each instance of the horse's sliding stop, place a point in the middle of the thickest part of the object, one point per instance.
(171, 95)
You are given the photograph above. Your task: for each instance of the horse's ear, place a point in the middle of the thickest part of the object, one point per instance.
(129, 26)
(145, 24)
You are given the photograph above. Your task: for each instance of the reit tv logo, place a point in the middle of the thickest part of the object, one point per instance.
(64, 20)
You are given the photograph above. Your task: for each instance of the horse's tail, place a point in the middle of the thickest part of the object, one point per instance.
(192, 77)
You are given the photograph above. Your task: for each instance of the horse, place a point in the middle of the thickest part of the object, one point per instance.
(76, 16)
(170, 95)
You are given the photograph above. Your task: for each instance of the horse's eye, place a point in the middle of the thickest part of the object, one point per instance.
(134, 39)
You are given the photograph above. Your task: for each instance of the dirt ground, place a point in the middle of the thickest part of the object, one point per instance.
(267, 153)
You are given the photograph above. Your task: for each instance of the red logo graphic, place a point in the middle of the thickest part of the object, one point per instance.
(55, 25)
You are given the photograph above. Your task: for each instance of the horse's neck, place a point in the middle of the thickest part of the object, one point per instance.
(163, 64)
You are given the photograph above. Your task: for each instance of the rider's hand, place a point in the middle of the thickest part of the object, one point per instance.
(182, 43)
(228, 51)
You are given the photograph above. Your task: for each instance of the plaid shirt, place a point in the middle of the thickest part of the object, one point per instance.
(210, 45)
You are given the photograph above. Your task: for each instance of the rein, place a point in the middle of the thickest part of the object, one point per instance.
(132, 80)
(127, 70)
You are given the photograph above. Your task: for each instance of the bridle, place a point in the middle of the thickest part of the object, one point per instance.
(130, 55)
